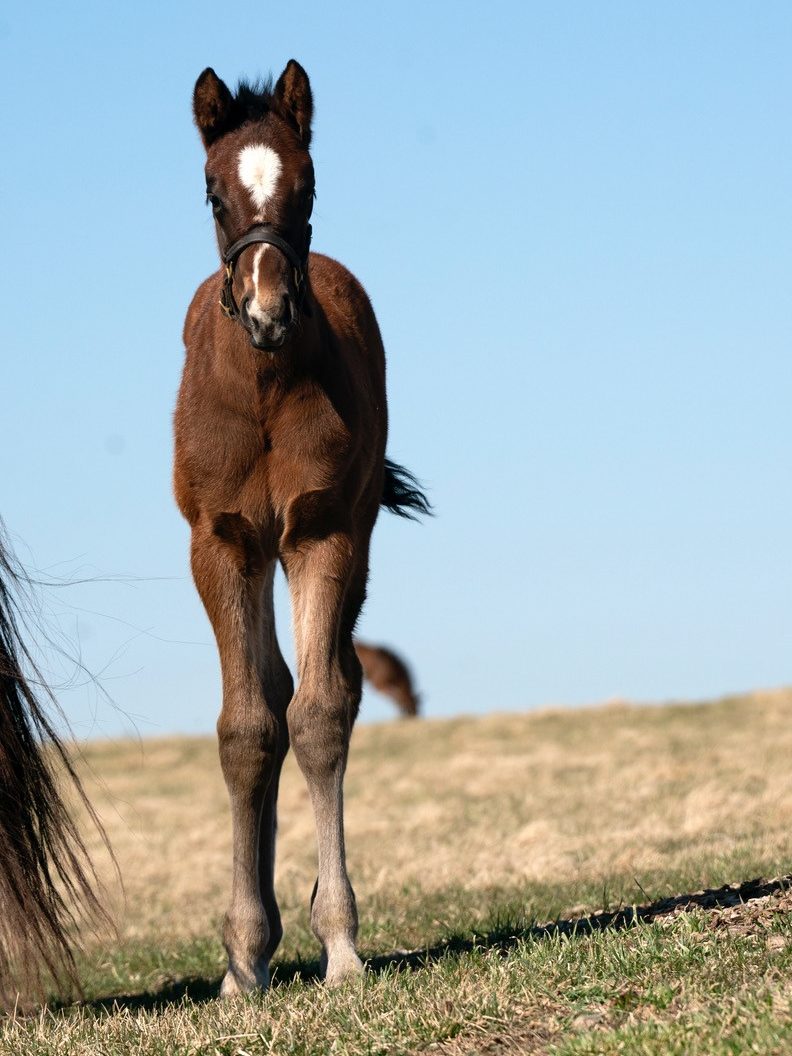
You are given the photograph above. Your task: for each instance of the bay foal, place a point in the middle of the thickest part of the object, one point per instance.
(280, 432)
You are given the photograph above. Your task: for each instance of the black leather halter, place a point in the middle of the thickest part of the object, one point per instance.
(262, 233)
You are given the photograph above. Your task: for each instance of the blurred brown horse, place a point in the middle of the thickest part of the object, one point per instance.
(389, 674)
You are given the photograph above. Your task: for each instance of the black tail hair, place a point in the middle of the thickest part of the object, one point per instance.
(47, 884)
(402, 493)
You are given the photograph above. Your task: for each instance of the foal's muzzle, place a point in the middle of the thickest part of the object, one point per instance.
(268, 329)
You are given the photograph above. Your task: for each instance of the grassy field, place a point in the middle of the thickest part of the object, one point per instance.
(498, 863)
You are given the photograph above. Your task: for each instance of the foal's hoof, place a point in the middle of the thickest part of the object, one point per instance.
(239, 980)
(342, 967)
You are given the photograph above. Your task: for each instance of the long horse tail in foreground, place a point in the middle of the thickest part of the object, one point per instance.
(402, 493)
(47, 885)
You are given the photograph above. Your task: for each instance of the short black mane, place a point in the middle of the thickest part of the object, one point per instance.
(254, 99)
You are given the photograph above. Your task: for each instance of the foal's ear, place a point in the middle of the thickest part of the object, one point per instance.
(293, 93)
(213, 106)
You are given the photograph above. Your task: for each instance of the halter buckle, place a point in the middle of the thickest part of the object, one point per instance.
(227, 305)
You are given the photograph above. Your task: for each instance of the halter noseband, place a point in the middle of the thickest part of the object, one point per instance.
(262, 233)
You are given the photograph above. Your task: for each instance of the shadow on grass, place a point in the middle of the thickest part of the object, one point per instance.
(197, 989)
(503, 938)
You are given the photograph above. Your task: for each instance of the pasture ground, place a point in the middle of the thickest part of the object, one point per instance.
(496, 861)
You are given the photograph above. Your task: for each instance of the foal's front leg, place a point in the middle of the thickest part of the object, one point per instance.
(231, 587)
(320, 719)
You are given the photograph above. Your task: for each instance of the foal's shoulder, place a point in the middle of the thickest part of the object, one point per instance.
(203, 301)
(331, 282)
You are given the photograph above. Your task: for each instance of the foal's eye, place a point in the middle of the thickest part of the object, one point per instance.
(216, 204)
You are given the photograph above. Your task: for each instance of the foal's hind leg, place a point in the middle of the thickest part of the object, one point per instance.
(320, 717)
(267, 839)
(278, 690)
(231, 581)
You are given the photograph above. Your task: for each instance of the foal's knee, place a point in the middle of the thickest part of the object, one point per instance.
(249, 744)
(320, 718)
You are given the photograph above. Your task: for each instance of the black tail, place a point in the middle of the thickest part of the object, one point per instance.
(402, 493)
(44, 866)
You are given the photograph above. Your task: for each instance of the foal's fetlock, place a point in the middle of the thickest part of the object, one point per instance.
(248, 966)
(243, 979)
(334, 922)
(341, 965)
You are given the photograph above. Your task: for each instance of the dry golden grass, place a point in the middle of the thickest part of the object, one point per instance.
(475, 802)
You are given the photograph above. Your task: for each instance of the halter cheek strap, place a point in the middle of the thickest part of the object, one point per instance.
(265, 234)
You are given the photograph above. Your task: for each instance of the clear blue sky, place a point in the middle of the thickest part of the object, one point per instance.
(573, 220)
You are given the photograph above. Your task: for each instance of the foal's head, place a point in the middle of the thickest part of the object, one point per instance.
(259, 171)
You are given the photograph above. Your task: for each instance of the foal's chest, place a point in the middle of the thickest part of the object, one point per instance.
(297, 444)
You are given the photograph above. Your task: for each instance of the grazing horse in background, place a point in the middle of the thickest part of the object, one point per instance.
(389, 674)
(44, 868)
(280, 432)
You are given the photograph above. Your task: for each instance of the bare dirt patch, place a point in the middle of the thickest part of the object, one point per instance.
(742, 908)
